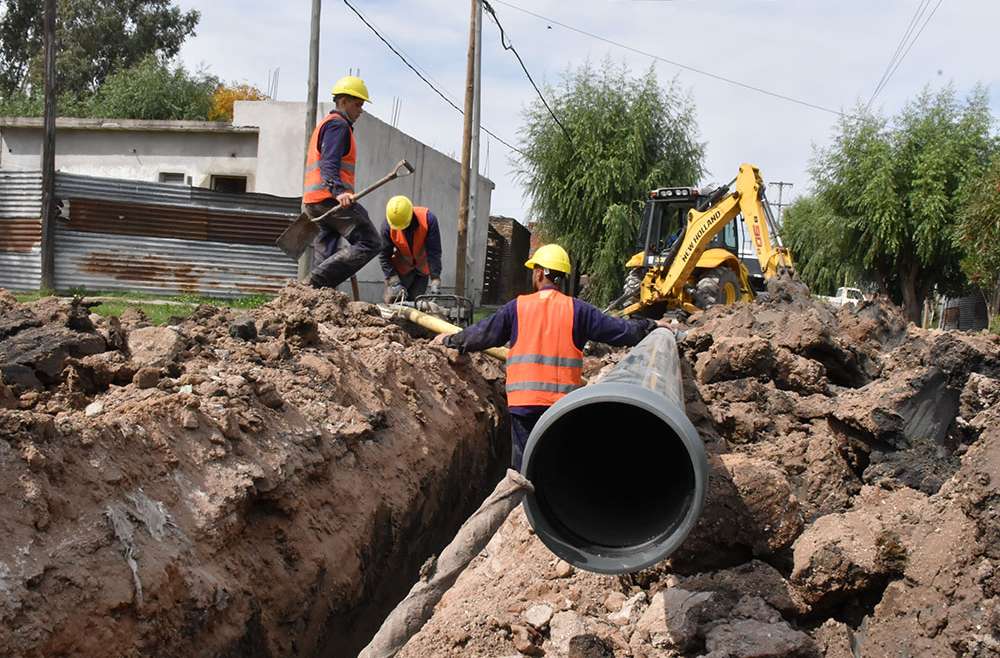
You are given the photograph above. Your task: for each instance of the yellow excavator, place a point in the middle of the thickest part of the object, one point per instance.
(689, 241)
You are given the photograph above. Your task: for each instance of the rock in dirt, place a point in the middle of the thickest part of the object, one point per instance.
(146, 377)
(154, 347)
(590, 646)
(526, 640)
(749, 638)
(673, 618)
(243, 328)
(563, 628)
(538, 615)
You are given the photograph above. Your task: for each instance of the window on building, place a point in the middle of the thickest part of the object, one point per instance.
(230, 184)
(171, 177)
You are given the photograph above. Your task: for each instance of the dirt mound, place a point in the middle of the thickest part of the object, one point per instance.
(852, 506)
(264, 483)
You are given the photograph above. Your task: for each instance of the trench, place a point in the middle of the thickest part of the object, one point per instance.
(392, 564)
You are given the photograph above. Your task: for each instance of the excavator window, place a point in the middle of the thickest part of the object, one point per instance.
(662, 223)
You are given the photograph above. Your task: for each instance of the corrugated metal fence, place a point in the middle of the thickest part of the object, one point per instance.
(150, 237)
(20, 229)
(967, 313)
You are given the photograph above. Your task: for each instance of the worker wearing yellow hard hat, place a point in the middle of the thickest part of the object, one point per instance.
(411, 251)
(547, 331)
(331, 161)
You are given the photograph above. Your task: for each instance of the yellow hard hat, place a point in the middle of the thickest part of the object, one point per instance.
(399, 212)
(551, 257)
(352, 85)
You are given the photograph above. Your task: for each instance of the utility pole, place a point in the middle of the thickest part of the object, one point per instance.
(781, 206)
(49, 149)
(305, 260)
(463, 192)
(474, 141)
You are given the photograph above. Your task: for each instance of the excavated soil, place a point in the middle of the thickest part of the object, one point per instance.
(258, 484)
(853, 507)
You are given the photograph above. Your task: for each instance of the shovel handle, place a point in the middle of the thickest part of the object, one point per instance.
(391, 176)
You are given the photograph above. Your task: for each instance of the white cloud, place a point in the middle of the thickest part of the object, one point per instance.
(829, 53)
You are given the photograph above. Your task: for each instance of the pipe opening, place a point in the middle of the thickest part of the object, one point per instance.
(611, 479)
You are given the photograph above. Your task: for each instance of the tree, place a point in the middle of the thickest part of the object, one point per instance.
(627, 135)
(815, 236)
(153, 90)
(225, 96)
(978, 234)
(96, 38)
(898, 184)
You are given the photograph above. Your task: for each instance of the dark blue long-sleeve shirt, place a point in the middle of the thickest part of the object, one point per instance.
(432, 245)
(334, 144)
(589, 323)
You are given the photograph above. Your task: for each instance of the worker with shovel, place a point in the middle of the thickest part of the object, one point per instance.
(329, 185)
(547, 332)
(411, 251)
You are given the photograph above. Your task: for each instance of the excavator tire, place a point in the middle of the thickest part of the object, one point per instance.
(718, 285)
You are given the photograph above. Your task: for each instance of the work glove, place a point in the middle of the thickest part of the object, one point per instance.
(394, 290)
(435, 287)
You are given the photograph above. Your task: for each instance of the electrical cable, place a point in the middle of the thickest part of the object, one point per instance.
(507, 45)
(914, 20)
(906, 52)
(422, 77)
(644, 53)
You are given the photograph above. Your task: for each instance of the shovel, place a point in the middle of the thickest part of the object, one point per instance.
(297, 237)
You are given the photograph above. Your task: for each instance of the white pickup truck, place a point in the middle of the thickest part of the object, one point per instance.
(845, 297)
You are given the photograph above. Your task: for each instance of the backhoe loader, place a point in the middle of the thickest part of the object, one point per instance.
(689, 241)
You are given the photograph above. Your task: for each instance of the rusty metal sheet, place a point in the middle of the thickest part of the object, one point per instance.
(20, 235)
(20, 194)
(101, 261)
(180, 222)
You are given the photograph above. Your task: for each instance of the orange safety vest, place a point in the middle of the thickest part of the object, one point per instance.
(403, 258)
(544, 363)
(315, 188)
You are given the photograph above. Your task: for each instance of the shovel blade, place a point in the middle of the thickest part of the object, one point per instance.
(298, 236)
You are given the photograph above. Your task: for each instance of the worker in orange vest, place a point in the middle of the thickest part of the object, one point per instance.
(547, 332)
(411, 250)
(330, 182)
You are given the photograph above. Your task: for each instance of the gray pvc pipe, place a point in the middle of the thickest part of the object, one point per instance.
(619, 471)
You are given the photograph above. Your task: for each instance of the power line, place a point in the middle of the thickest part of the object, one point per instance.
(510, 46)
(906, 52)
(422, 77)
(644, 53)
(918, 14)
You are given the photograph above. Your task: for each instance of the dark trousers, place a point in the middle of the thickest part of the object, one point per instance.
(415, 283)
(522, 421)
(334, 266)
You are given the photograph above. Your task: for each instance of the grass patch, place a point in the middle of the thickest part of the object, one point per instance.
(180, 306)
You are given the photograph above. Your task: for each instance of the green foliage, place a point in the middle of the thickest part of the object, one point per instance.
(95, 39)
(815, 235)
(628, 135)
(151, 89)
(898, 185)
(978, 229)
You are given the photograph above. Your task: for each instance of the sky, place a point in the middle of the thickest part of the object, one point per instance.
(828, 54)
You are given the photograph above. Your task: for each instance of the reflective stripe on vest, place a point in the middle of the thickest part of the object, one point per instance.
(315, 189)
(403, 259)
(544, 363)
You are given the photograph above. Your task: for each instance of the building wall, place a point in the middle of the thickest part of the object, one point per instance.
(435, 183)
(136, 155)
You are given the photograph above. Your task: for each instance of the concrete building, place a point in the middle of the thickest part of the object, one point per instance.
(261, 151)
(206, 154)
